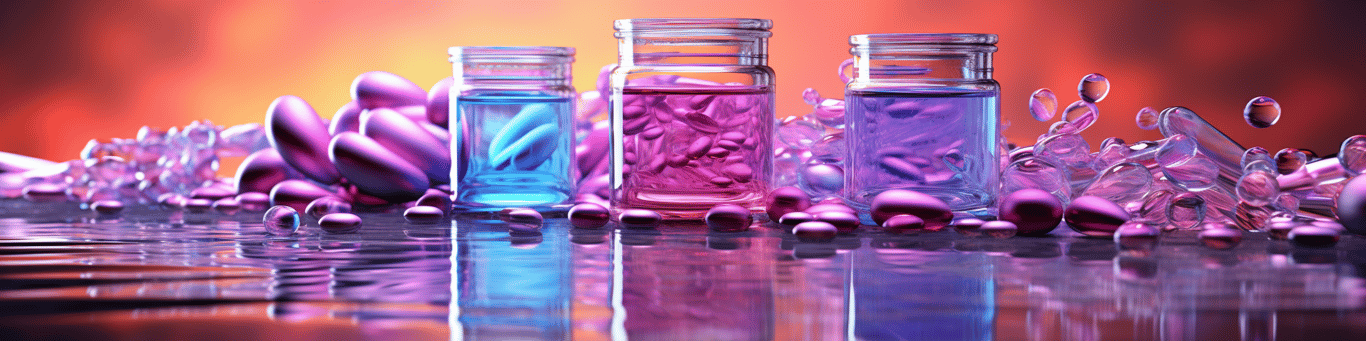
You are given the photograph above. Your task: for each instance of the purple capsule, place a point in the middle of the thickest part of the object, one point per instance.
(346, 119)
(44, 192)
(999, 229)
(171, 200)
(1221, 237)
(1094, 216)
(227, 205)
(845, 222)
(903, 223)
(423, 215)
(379, 89)
(589, 216)
(786, 200)
(1262, 112)
(375, 170)
(435, 198)
(639, 218)
(253, 201)
(197, 205)
(1136, 235)
(970, 227)
(296, 194)
(1280, 230)
(1093, 87)
(889, 203)
(439, 102)
(327, 205)
(409, 141)
(1043, 104)
(301, 137)
(794, 218)
(701, 122)
(262, 170)
(212, 193)
(1034, 212)
(699, 147)
(829, 207)
(1314, 236)
(815, 231)
(107, 207)
(340, 223)
(524, 222)
(728, 218)
(280, 220)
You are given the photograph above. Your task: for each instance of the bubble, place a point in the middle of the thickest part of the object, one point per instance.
(1093, 88)
(1187, 211)
(1256, 154)
(1080, 115)
(1287, 202)
(1262, 112)
(1257, 188)
(799, 132)
(1289, 160)
(811, 97)
(1196, 174)
(1147, 118)
(1352, 155)
(279, 220)
(1043, 104)
(327, 205)
(1175, 149)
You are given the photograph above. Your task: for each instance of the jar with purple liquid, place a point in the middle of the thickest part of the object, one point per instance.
(512, 128)
(923, 114)
(692, 115)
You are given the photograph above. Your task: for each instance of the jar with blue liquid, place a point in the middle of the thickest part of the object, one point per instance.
(922, 113)
(512, 132)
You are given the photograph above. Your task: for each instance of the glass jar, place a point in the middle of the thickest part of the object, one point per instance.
(512, 130)
(692, 115)
(922, 113)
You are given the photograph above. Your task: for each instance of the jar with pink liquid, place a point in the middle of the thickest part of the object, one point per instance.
(692, 115)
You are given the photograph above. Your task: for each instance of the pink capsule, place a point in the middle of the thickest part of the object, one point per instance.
(423, 215)
(701, 122)
(998, 229)
(786, 200)
(1136, 236)
(699, 147)
(1314, 236)
(375, 170)
(639, 218)
(376, 89)
(524, 222)
(796, 217)
(845, 222)
(296, 194)
(263, 169)
(197, 205)
(1094, 216)
(227, 205)
(903, 223)
(301, 137)
(436, 199)
(815, 231)
(409, 141)
(44, 192)
(107, 207)
(1217, 236)
(588, 216)
(889, 203)
(1034, 212)
(728, 218)
(829, 207)
(340, 223)
(739, 171)
(253, 201)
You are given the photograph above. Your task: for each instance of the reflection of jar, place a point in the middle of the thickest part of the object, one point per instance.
(512, 129)
(692, 115)
(922, 114)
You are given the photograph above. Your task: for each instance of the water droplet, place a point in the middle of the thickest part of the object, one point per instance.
(1286, 202)
(903, 223)
(1147, 118)
(1154, 207)
(1289, 160)
(1352, 155)
(1093, 87)
(1081, 115)
(1187, 211)
(228, 205)
(279, 220)
(1070, 150)
(970, 227)
(1043, 104)
(1262, 112)
(1257, 188)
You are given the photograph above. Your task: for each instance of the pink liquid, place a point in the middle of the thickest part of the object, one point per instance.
(685, 150)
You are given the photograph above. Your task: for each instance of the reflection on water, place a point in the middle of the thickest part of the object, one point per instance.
(171, 275)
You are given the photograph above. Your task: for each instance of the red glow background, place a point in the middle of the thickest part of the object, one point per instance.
(74, 71)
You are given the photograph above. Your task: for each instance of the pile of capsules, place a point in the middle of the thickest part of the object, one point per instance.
(389, 148)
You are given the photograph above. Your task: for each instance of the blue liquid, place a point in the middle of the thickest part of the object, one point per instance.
(512, 151)
(942, 143)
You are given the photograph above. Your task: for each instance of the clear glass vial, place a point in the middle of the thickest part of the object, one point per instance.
(692, 115)
(512, 127)
(922, 113)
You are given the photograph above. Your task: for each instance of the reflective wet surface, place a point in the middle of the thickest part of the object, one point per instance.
(150, 274)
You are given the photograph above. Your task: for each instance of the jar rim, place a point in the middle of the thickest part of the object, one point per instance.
(649, 24)
(923, 39)
(512, 53)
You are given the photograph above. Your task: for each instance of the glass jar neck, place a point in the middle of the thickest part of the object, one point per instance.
(513, 65)
(922, 57)
(665, 42)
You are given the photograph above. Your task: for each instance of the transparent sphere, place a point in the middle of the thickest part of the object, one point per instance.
(1147, 118)
(1043, 104)
(1352, 155)
(1257, 188)
(1262, 112)
(281, 220)
(1093, 88)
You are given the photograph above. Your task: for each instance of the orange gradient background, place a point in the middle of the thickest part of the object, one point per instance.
(75, 71)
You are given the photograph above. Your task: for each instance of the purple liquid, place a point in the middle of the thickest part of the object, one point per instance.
(941, 143)
(684, 150)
